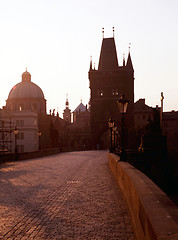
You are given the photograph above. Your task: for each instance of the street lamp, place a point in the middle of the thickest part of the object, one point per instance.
(111, 125)
(16, 131)
(115, 131)
(123, 104)
(39, 135)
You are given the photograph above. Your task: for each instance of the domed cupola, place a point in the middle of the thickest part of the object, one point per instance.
(26, 95)
(26, 76)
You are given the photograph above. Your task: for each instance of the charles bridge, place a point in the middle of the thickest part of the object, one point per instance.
(82, 195)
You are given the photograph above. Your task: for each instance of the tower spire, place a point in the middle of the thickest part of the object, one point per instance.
(67, 111)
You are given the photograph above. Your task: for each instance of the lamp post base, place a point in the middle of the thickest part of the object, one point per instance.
(123, 156)
(111, 150)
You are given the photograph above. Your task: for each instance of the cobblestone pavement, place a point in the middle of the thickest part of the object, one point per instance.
(66, 196)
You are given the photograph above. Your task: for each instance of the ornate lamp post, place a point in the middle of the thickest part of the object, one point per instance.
(39, 135)
(111, 125)
(16, 131)
(123, 104)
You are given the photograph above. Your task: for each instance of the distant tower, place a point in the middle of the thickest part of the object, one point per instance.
(67, 111)
(107, 84)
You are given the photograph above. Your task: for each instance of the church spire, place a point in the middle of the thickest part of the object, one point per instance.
(67, 111)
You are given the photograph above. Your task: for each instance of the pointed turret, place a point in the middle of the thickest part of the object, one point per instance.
(90, 63)
(129, 62)
(108, 56)
(123, 60)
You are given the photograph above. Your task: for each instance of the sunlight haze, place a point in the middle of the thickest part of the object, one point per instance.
(54, 40)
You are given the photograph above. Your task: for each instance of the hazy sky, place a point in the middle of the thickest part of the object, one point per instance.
(54, 39)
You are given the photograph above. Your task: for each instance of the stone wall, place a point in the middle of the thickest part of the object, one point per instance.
(154, 215)
(28, 155)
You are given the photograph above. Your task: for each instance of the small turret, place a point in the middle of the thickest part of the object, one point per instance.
(123, 60)
(26, 76)
(129, 62)
(90, 63)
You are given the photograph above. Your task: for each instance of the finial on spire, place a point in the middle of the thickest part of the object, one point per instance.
(81, 100)
(67, 102)
(113, 31)
(103, 32)
(162, 96)
(26, 69)
(129, 47)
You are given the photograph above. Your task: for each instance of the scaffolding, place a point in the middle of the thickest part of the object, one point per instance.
(6, 129)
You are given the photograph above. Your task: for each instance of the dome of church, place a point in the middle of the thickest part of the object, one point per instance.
(26, 95)
(26, 89)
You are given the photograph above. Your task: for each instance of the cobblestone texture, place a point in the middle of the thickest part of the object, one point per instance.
(66, 196)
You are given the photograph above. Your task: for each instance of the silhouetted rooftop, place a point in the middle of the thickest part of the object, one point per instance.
(173, 115)
(80, 107)
(108, 55)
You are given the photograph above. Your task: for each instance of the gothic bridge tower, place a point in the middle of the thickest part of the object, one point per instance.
(107, 84)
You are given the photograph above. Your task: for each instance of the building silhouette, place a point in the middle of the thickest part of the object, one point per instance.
(76, 135)
(107, 84)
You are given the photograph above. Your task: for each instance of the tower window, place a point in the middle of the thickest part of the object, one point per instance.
(100, 92)
(115, 92)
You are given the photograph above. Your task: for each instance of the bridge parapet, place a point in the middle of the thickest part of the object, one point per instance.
(154, 215)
